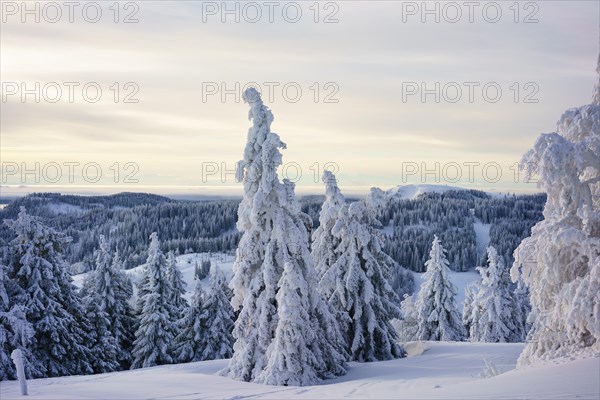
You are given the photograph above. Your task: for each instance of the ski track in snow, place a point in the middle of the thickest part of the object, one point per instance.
(435, 370)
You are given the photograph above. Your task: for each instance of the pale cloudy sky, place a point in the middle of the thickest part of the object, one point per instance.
(371, 61)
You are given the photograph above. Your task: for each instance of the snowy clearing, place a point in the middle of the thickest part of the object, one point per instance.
(63, 208)
(482, 236)
(434, 370)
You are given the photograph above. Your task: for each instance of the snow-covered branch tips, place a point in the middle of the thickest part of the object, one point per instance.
(286, 333)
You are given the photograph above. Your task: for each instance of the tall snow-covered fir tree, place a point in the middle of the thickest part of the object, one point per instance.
(120, 312)
(275, 237)
(290, 352)
(191, 329)
(493, 303)
(326, 251)
(399, 277)
(437, 313)
(142, 285)
(15, 331)
(102, 344)
(469, 312)
(407, 326)
(522, 308)
(107, 292)
(207, 325)
(50, 300)
(354, 274)
(357, 286)
(177, 286)
(155, 336)
(324, 243)
(7, 370)
(217, 320)
(560, 261)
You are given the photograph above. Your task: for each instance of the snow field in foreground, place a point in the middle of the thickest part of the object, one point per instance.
(433, 370)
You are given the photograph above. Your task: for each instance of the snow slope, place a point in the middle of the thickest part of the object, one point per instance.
(434, 370)
(482, 236)
(63, 208)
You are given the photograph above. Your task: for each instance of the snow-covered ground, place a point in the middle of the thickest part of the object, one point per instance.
(433, 370)
(63, 208)
(388, 230)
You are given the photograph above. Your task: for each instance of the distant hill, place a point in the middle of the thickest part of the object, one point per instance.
(49, 204)
(410, 218)
(127, 220)
(415, 213)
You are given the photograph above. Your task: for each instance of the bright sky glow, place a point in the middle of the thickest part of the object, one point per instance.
(380, 132)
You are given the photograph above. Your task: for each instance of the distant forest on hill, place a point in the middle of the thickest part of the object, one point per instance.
(128, 219)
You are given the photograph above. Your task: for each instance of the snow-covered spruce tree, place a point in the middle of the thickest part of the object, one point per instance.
(217, 319)
(121, 314)
(155, 335)
(494, 304)
(521, 310)
(6, 368)
(437, 314)
(324, 244)
(102, 344)
(187, 346)
(207, 325)
(400, 278)
(470, 314)
(289, 353)
(326, 251)
(49, 298)
(357, 285)
(177, 286)
(362, 297)
(560, 261)
(274, 233)
(107, 293)
(407, 326)
(142, 290)
(15, 331)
